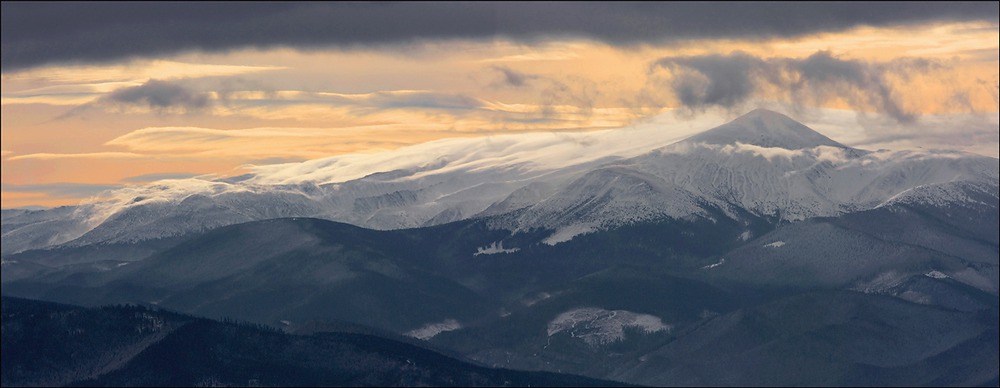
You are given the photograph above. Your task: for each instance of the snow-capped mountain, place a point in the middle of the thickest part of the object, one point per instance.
(763, 163)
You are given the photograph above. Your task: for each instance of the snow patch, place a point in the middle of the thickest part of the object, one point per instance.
(916, 297)
(597, 326)
(745, 236)
(567, 233)
(776, 244)
(881, 283)
(937, 275)
(538, 298)
(430, 330)
(494, 248)
(710, 266)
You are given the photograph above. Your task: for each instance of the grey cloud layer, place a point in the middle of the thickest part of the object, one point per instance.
(39, 33)
(729, 81)
(157, 95)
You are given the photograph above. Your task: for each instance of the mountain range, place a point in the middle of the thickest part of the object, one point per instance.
(759, 252)
(763, 163)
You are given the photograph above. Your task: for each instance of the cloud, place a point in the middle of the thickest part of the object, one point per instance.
(353, 105)
(90, 155)
(560, 105)
(102, 78)
(977, 133)
(60, 190)
(424, 100)
(159, 96)
(967, 132)
(276, 160)
(555, 92)
(261, 143)
(822, 74)
(735, 80)
(145, 178)
(714, 80)
(39, 33)
(511, 78)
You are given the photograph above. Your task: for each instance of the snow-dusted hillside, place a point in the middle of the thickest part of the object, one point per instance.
(763, 163)
(424, 184)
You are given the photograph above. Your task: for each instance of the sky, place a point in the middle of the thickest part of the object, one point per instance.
(98, 96)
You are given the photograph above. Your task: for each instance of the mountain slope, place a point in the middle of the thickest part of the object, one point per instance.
(269, 271)
(762, 163)
(827, 339)
(767, 129)
(508, 299)
(52, 344)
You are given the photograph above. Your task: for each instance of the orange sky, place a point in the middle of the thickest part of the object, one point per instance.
(69, 131)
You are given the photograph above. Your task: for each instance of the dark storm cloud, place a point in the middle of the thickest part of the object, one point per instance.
(159, 95)
(860, 82)
(35, 33)
(705, 80)
(730, 81)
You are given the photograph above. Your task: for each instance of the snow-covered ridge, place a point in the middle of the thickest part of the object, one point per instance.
(766, 129)
(572, 183)
(597, 326)
(430, 330)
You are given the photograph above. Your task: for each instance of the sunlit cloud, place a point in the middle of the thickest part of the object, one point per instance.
(145, 178)
(137, 70)
(88, 155)
(71, 94)
(260, 142)
(509, 52)
(84, 85)
(977, 133)
(59, 190)
(59, 99)
(737, 79)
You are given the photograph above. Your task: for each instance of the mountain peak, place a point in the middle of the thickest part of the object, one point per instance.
(765, 128)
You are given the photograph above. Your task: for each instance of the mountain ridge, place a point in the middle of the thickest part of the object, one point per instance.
(763, 162)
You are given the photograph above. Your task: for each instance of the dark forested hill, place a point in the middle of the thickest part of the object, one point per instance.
(48, 344)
